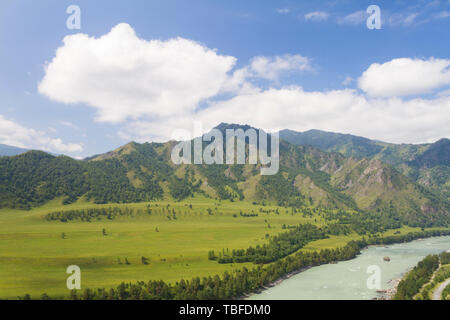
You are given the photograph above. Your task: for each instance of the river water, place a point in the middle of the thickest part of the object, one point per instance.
(348, 279)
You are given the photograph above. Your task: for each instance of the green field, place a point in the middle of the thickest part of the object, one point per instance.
(34, 256)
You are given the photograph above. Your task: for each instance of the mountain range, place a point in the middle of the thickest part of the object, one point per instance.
(317, 168)
(427, 164)
(6, 150)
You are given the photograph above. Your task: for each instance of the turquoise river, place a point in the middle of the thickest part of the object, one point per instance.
(349, 279)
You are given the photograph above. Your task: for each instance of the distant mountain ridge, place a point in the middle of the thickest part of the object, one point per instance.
(355, 146)
(6, 150)
(347, 144)
(428, 164)
(308, 177)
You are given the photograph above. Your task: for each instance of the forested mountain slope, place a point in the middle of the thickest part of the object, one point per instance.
(308, 177)
(428, 164)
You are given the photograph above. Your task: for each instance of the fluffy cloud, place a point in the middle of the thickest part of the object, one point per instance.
(381, 116)
(271, 67)
(405, 76)
(159, 86)
(268, 68)
(316, 16)
(347, 81)
(123, 76)
(14, 134)
(159, 131)
(392, 120)
(355, 18)
(401, 19)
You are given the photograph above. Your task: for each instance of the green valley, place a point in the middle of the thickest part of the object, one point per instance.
(140, 226)
(35, 254)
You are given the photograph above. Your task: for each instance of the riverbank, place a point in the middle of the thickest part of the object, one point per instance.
(285, 277)
(320, 283)
(274, 283)
(390, 293)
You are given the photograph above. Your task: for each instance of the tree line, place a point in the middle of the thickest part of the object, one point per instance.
(439, 276)
(92, 214)
(279, 246)
(409, 286)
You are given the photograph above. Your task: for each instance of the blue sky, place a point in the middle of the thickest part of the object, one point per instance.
(274, 64)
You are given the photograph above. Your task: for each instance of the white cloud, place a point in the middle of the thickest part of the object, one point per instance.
(402, 19)
(267, 68)
(158, 86)
(405, 76)
(409, 19)
(69, 124)
(158, 131)
(355, 18)
(347, 81)
(283, 10)
(271, 67)
(442, 15)
(316, 16)
(123, 76)
(14, 134)
(238, 82)
(392, 120)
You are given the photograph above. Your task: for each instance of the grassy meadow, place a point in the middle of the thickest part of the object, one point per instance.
(34, 255)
